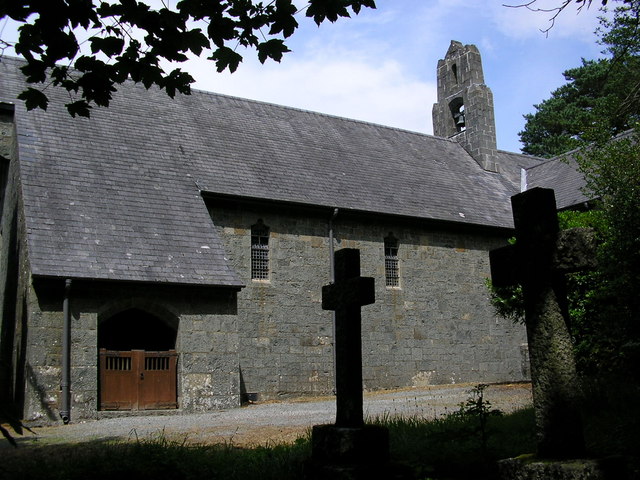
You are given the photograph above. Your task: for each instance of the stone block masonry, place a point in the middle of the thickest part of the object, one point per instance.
(6, 131)
(14, 268)
(437, 327)
(206, 342)
(465, 104)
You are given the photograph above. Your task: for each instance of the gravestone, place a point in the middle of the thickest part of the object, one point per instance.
(538, 261)
(348, 449)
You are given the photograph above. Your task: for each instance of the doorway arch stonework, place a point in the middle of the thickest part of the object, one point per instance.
(137, 361)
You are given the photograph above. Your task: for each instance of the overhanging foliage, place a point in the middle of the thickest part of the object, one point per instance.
(130, 39)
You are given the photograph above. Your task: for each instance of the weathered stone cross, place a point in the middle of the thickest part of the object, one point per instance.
(349, 292)
(538, 261)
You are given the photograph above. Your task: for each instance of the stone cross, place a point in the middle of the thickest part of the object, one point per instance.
(538, 261)
(349, 292)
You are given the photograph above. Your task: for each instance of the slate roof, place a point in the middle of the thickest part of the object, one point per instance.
(512, 164)
(103, 198)
(265, 151)
(562, 175)
(118, 196)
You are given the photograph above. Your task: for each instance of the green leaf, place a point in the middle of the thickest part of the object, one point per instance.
(283, 19)
(60, 76)
(60, 45)
(34, 98)
(273, 49)
(166, 33)
(331, 10)
(82, 13)
(179, 81)
(110, 46)
(226, 58)
(80, 108)
(196, 41)
(35, 71)
(221, 29)
(150, 74)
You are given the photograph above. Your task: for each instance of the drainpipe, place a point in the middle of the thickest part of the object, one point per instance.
(332, 266)
(65, 382)
(331, 249)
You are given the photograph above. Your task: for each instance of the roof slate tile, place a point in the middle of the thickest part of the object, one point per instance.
(562, 175)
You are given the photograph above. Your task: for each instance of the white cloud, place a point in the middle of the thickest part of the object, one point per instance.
(348, 86)
(380, 65)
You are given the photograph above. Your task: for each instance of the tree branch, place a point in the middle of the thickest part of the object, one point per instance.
(555, 10)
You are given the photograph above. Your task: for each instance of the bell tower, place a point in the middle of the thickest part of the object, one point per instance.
(464, 110)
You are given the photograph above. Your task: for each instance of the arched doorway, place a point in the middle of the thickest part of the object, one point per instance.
(137, 361)
(135, 329)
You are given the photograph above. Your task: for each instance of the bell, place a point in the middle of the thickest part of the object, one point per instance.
(460, 120)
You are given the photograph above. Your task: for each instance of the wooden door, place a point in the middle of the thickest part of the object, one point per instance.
(137, 380)
(157, 381)
(118, 385)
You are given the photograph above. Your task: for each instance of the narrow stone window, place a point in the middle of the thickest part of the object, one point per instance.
(259, 251)
(391, 267)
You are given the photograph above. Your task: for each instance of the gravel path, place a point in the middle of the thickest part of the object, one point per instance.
(273, 422)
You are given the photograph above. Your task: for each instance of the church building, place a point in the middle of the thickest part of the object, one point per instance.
(171, 253)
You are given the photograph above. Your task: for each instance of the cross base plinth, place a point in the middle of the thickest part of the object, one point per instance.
(531, 468)
(358, 472)
(351, 453)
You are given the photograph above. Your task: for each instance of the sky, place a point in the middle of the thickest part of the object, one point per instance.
(380, 66)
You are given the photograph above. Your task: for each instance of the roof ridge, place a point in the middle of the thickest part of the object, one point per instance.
(520, 154)
(316, 113)
(568, 156)
(276, 105)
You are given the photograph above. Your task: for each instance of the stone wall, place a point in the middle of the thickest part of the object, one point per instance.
(14, 268)
(437, 327)
(207, 343)
(31, 321)
(6, 131)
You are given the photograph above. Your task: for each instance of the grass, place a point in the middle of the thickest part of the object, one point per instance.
(155, 459)
(452, 447)
(612, 428)
(440, 448)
